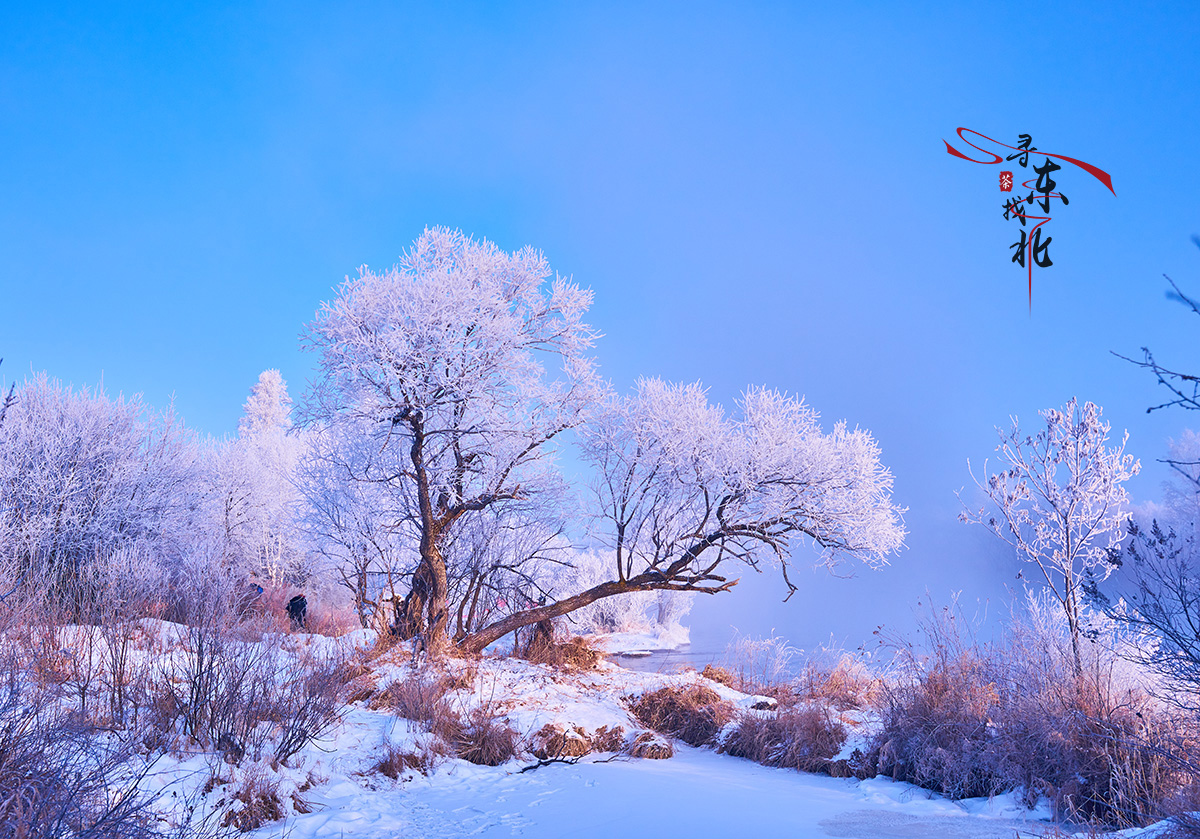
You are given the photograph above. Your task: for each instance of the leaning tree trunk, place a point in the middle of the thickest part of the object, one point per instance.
(476, 642)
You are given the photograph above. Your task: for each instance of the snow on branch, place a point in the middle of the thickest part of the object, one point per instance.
(684, 488)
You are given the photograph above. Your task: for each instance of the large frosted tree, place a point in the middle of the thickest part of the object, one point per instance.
(461, 366)
(449, 378)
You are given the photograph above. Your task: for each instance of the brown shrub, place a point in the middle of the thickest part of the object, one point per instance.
(330, 621)
(650, 746)
(553, 741)
(847, 685)
(260, 804)
(991, 719)
(267, 610)
(310, 704)
(417, 698)
(718, 674)
(385, 643)
(693, 713)
(395, 761)
(575, 653)
(803, 738)
(479, 736)
(157, 721)
(1097, 761)
(59, 776)
(936, 733)
(605, 739)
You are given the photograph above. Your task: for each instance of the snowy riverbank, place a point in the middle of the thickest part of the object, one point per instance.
(335, 788)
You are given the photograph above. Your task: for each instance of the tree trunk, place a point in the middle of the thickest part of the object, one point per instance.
(476, 642)
(430, 585)
(1071, 606)
(410, 612)
(1073, 625)
(437, 638)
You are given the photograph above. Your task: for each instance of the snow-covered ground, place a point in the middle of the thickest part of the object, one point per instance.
(333, 788)
(697, 793)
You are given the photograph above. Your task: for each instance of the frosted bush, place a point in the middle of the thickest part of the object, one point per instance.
(760, 663)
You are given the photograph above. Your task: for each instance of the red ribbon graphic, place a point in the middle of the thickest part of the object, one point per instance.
(1095, 171)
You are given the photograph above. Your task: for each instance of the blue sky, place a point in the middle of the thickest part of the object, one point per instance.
(757, 194)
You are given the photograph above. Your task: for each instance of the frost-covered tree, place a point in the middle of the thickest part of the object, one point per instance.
(1183, 387)
(355, 526)
(256, 500)
(495, 560)
(1059, 501)
(686, 491)
(83, 475)
(1159, 577)
(461, 369)
(268, 410)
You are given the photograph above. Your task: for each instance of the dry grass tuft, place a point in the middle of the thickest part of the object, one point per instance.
(605, 739)
(693, 713)
(396, 761)
(785, 695)
(361, 690)
(573, 654)
(385, 646)
(463, 679)
(480, 735)
(718, 674)
(650, 746)
(417, 698)
(260, 804)
(482, 739)
(848, 685)
(553, 741)
(802, 737)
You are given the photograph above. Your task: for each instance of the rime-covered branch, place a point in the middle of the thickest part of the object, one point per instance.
(685, 490)
(1059, 501)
